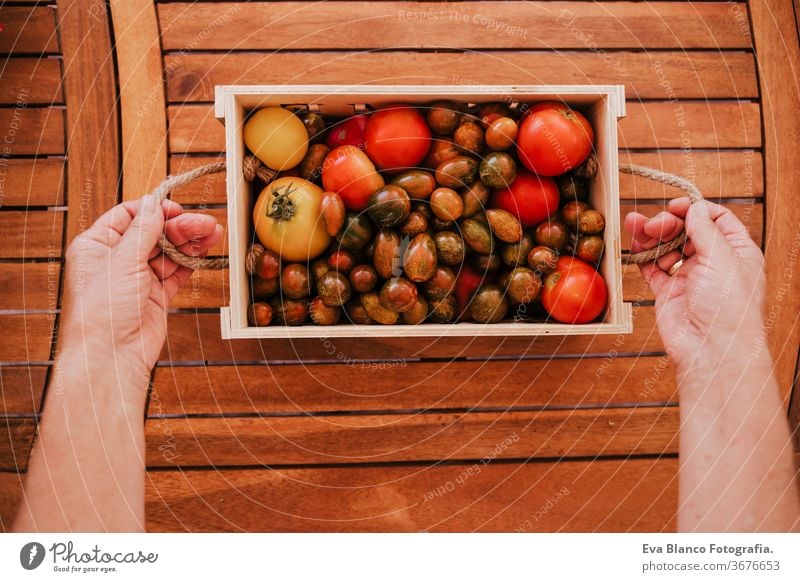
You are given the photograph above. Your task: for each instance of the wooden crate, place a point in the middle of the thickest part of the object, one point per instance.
(603, 106)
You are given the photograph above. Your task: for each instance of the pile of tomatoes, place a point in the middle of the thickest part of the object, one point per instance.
(413, 214)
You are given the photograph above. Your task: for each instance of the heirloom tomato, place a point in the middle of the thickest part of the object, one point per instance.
(347, 132)
(553, 139)
(530, 198)
(349, 172)
(287, 219)
(397, 137)
(575, 292)
(277, 137)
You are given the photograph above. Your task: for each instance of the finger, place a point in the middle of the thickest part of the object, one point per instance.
(112, 224)
(202, 246)
(634, 223)
(654, 276)
(679, 206)
(700, 227)
(144, 231)
(190, 227)
(174, 282)
(163, 266)
(668, 260)
(664, 226)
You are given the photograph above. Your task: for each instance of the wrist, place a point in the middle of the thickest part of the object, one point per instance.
(99, 373)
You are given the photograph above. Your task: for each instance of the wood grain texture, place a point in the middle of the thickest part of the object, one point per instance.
(401, 385)
(32, 130)
(658, 75)
(776, 42)
(718, 174)
(179, 442)
(26, 337)
(32, 182)
(632, 495)
(31, 80)
(21, 389)
(480, 25)
(92, 123)
(28, 30)
(195, 337)
(34, 234)
(715, 124)
(30, 285)
(144, 121)
(16, 440)
(10, 498)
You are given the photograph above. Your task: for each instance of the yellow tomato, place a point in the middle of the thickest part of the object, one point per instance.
(277, 137)
(287, 219)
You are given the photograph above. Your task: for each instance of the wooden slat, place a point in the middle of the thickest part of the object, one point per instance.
(205, 288)
(659, 75)
(403, 385)
(718, 174)
(10, 498)
(776, 40)
(34, 234)
(210, 189)
(92, 131)
(16, 440)
(28, 30)
(26, 337)
(195, 337)
(422, 437)
(715, 124)
(29, 285)
(479, 25)
(604, 495)
(31, 81)
(144, 121)
(36, 182)
(712, 124)
(32, 130)
(21, 389)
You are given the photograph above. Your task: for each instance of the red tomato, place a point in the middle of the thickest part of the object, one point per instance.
(348, 132)
(467, 282)
(530, 198)
(575, 292)
(553, 139)
(397, 137)
(349, 172)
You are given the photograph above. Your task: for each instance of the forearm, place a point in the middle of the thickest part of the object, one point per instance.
(737, 469)
(86, 471)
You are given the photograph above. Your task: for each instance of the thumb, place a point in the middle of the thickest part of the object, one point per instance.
(145, 230)
(700, 229)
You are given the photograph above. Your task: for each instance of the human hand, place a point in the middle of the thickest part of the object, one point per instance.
(118, 284)
(718, 292)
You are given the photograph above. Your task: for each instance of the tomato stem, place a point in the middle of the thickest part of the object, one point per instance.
(283, 207)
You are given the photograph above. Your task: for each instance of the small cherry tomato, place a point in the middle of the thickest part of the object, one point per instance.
(349, 172)
(397, 137)
(530, 198)
(575, 292)
(553, 139)
(348, 132)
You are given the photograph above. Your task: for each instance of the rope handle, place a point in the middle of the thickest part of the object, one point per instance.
(253, 167)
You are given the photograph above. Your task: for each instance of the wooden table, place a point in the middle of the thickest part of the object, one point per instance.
(575, 434)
